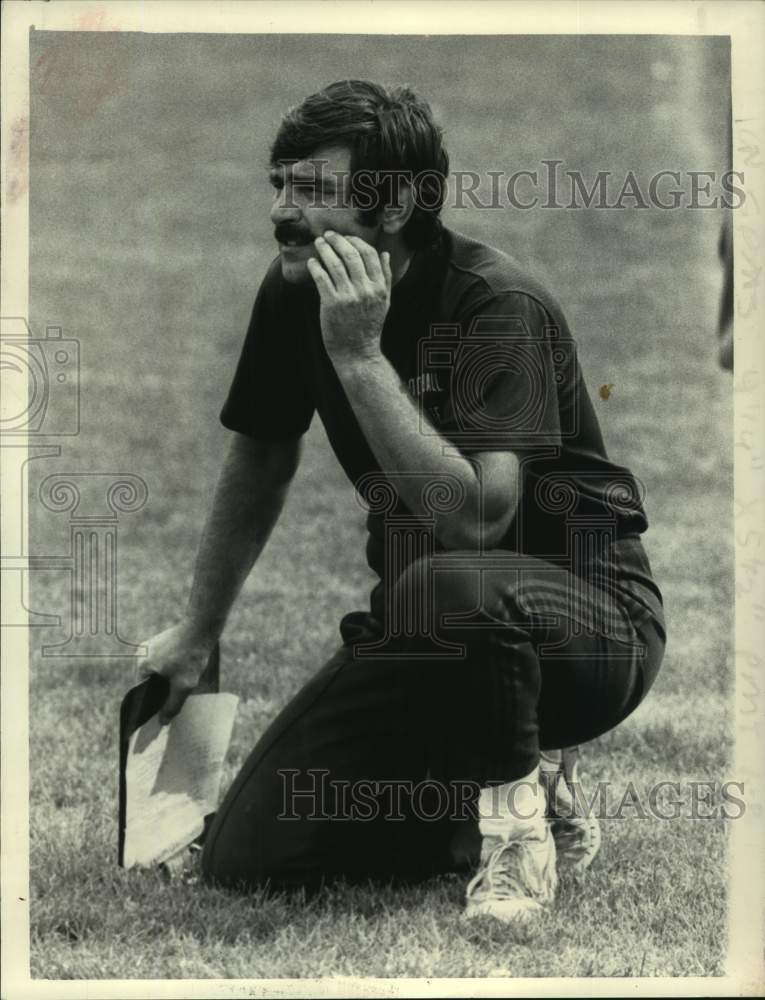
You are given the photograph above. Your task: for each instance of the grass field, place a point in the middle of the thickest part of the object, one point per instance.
(149, 235)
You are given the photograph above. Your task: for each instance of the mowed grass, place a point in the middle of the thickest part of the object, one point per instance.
(149, 237)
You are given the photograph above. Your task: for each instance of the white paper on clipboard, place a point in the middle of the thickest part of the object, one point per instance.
(173, 776)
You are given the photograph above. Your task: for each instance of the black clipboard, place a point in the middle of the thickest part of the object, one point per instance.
(138, 706)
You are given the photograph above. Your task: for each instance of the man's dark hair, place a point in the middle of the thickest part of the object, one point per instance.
(388, 131)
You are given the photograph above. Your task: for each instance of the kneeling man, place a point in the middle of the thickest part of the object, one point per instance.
(515, 612)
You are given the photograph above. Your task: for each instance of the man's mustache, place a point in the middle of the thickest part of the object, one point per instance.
(285, 232)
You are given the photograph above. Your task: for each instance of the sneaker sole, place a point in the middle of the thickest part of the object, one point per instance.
(516, 911)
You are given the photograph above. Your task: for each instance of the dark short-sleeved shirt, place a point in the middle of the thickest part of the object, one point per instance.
(487, 355)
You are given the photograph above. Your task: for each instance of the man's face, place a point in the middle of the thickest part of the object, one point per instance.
(311, 196)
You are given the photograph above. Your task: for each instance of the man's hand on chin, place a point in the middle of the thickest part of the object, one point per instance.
(354, 284)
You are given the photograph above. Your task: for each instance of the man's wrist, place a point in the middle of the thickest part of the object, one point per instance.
(202, 627)
(353, 368)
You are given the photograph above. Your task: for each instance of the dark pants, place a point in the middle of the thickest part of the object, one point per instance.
(455, 680)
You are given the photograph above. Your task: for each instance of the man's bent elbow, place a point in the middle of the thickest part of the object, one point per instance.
(459, 535)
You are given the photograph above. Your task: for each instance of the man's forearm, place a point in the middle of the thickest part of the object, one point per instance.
(354, 284)
(248, 499)
(391, 424)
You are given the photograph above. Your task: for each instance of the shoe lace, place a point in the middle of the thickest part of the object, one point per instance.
(506, 874)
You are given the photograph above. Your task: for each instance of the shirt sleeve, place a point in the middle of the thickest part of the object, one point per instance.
(503, 378)
(268, 398)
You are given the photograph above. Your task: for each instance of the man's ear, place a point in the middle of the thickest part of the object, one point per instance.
(395, 217)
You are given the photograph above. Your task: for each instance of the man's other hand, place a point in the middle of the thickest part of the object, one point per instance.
(180, 654)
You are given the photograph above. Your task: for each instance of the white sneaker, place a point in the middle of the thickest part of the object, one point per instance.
(517, 876)
(575, 828)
